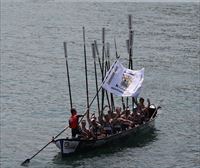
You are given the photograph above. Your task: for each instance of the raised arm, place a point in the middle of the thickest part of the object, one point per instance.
(148, 101)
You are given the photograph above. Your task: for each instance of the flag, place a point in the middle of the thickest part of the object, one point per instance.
(122, 81)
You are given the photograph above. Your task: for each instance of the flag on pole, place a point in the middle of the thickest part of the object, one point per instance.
(122, 81)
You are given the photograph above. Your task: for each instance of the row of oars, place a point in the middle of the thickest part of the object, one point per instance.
(104, 64)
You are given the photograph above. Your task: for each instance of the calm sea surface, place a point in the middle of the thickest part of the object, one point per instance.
(34, 92)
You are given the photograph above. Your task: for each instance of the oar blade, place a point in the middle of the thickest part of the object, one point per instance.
(25, 163)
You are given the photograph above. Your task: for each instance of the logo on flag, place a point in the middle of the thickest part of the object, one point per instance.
(126, 81)
(122, 81)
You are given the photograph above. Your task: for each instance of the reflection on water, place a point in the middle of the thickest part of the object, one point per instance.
(140, 139)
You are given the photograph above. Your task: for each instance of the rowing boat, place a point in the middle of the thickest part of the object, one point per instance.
(70, 146)
(116, 80)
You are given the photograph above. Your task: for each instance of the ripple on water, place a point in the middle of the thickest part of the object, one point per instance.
(34, 93)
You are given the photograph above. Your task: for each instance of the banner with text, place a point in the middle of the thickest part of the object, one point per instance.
(122, 81)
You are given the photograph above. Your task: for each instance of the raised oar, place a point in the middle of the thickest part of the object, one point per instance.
(86, 77)
(108, 67)
(131, 60)
(102, 73)
(28, 160)
(117, 56)
(102, 65)
(130, 45)
(70, 95)
(95, 70)
(99, 59)
(25, 163)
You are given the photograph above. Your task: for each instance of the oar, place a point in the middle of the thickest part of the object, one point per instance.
(108, 67)
(116, 53)
(102, 66)
(28, 160)
(24, 163)
(86, 76)
(97, 51)
(117, 57)
(67, 66)
(96, 80)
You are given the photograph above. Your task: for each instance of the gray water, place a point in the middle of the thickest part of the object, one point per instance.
(34, 92)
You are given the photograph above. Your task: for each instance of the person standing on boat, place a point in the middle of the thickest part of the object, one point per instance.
(74, 123)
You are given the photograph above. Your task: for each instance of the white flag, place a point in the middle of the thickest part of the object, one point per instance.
(122, 81)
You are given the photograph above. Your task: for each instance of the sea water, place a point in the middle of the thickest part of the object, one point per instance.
(34, 91)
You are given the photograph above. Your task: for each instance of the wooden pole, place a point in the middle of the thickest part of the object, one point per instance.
(105, 70)
(129, 46)
(108, 67)
(102, 65)
(86, 77)
(117, 56)
(131, 32)
(102, 73)
(97, 51)
(70, 95)
(116, 53)
(131, 60)
(131, 50)
(96, 80)
(25, 163)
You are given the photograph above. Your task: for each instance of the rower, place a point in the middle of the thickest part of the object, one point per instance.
(115, 121)
(126, 119)
(73, 122)
(107, 126)
(85, 133)
(94, 126)
(142, 109)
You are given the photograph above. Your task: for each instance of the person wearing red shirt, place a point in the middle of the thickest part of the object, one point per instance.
(74, 122)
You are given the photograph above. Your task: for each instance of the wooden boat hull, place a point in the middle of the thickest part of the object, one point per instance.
(70, 146)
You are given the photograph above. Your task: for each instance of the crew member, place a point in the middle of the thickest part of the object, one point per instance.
(73, 122)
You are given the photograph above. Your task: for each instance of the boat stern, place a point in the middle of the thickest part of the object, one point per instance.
(66, 146)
